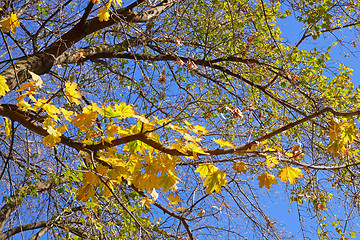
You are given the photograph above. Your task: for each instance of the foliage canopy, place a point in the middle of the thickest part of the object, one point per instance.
(179, 119)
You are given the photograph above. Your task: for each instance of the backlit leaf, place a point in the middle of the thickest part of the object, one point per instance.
(240, 167)
(290, 173)
(174, 199)
(223, 143)
(266, 179)
(206, 169)
(4, 88)
(72, 94)
(215, 181)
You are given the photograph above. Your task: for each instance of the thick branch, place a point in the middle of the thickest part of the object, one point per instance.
(42, 62)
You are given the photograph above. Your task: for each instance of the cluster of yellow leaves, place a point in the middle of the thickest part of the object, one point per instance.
(215, 179)
(286, 173)
(104, 14)
(90, 181)
(342, 134)
(9, 23)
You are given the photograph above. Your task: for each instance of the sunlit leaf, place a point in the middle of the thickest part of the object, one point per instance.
(10, 23)
(72, 93)
(266, 179)
(223, 143)
(290, 173)
(215, 181)
(4, 88)
(174, 199)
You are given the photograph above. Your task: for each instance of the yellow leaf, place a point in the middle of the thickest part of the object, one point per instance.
(37, 79)
(271, 161)
(85, 119)
(266, 179)
(240, 167)
(179, 209)
(73, 95)
(223, 143)
(145, 202)
(174, 199)
(101, 169)
(90, 178)
(3, 86)
(290, 173)
(206, 169)
(168, 181)
(190, 138)
(7, 127)
(196, 149)
(53, 137)
(111, 130)
(85, 192)
(104, 14)
(215, 181)
(67, 114)
(125, 110)
(198, 129)
(10, 23)
(26, 85)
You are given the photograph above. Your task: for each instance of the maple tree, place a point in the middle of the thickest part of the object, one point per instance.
(178, 119)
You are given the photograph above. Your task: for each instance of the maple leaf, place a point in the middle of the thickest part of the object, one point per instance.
(335, 129)
(3, 86)
(198, 129)
(174, 199)
(53, 137)
(37, 79)
(104, 14)
(145, 202)
(290, 173)
(73, 95)
(135, 146)
(10, 23)
(240, 167)
(168, 181)
(215, 181)
(223, 143)
(336, 147)
(119, 111)
(271, 161)
(195, 149)
(162, 78)
(86, 119)
(154, 194)
(111, 130)
(90, 178)
(349, 133)
(179, 209)
(85, 192)
(266, 179)
(206, 169)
